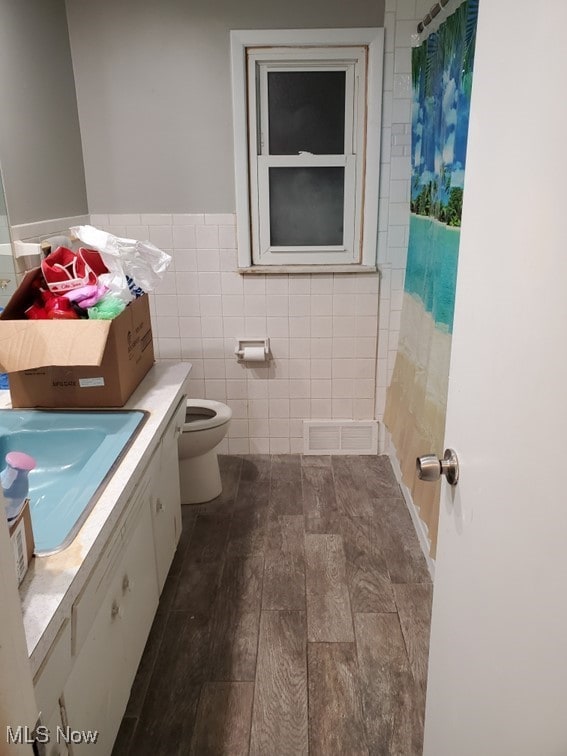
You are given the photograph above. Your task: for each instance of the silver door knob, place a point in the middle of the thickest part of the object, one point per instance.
(430, 468)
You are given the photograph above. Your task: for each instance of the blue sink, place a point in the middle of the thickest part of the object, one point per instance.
(75, 451)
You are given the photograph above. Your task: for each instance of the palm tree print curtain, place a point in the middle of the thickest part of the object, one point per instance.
(442, 70)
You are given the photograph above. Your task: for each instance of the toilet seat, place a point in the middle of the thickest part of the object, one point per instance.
(206, 413)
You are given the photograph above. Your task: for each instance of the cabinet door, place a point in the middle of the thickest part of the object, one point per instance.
(97, 690)
(166, 497)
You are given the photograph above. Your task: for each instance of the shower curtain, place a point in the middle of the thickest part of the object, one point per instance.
(442, 68)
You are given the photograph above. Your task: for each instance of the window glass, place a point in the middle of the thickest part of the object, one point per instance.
(306, 112)
(306, 206)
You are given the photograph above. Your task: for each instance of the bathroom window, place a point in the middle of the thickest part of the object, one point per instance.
(306, 123)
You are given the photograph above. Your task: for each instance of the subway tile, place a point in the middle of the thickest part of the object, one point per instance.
(299, 407)
(185, 259)
(233, 327)
(395, 320)
(383, 338)
(343, 328)
(299, 305)
(211, 326)
(278, 408)
(380, 402)
(364, 388)
(187, 219)
(169, 348)
(214, 369)
(320, 368)
(382, 371)
(402, 88)
(344, 305)
(366, 327)
(198, 370)
(213, 349)
(342, 408)
(405, 9)
(364, 368)
(300, 328)
(99, 219)
(191, 348)
(369, 283)
(167, 285)
(197, 387)
(161, 236)
(125, 219)
(207, 237)
(321, 348)
(210, 304)
(397, 279)
(254, 327)
(299, 348)
(321, 283)
(343, 347)
(277, 284)
(363, 409)
(238, 446)
(279, 427)
(299, 369)
(278, 388)
(235, 371)
(321, 408)
(216, 390)
(400, 168)
(321, 388)
(259, 427)
(344, 283)
(232, 305)
(141, 233)
(255, 285)
(342, 369)
(228, 260)
(280, 446)
(156, 219)
(402, 60)
(254, 304)
(208, 260)
(259, 446)
(227, 237)
(187, 283)
(220, 219)
(184, 237)
(167, 327)
(258, 408)
(342, 387)
(209, 283)
(296, 428)
(231, 283)
(365, 348)
(257, 389)
(321, 305)
(300, 389)
(239, 407)
(366, 305)
(404, 30)
(278, 327)
(279, 347)
(321, 327)
(190, 327)
(277, 304)
(166, 305)
(279, 369)
(300, 284)
(238, 428)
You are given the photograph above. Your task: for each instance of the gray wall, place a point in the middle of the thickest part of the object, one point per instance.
(154, 93)
(40, 142)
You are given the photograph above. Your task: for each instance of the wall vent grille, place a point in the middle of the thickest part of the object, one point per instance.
(340, 437)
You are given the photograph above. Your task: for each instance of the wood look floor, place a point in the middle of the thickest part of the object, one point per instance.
(295, 619)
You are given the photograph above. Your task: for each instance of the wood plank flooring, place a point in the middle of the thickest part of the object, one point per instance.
(294, 620)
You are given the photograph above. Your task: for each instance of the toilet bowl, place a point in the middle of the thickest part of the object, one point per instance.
(206, 424)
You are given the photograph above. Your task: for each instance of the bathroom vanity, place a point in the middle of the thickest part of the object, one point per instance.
(88, 609)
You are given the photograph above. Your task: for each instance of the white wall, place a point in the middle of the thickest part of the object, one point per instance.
(333, 339)
(40, 143)
(153, 88)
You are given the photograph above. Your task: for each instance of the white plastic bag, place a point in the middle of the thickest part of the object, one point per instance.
(142, 262)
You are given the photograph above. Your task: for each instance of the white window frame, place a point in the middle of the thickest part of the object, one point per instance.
(352, 49)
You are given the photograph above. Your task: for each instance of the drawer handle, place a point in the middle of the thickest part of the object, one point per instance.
(115, 610)
(159, 505)
(125, 584)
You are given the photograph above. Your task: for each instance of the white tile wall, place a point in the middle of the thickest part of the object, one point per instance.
(322, 328)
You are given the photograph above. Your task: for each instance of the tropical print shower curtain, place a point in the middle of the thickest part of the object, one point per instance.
(442, 69)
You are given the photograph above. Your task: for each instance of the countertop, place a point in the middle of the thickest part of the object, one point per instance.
(52, 583)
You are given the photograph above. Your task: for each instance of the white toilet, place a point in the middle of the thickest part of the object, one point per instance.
(206, 424)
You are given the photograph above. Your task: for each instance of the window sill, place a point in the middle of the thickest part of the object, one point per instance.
(256, 270)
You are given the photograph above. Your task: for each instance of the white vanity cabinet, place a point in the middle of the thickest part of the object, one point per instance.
(86, 678)
(166, 497)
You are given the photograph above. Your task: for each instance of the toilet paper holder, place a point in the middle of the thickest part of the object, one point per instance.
(245, 346)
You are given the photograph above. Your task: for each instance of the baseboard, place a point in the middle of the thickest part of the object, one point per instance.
(419, 525)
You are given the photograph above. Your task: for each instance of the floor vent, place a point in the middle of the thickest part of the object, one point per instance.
(340, 437)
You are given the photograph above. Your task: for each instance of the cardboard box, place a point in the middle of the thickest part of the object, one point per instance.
(21, 538)
(73, 363)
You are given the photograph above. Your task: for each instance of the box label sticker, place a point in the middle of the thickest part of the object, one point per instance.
(90, 382)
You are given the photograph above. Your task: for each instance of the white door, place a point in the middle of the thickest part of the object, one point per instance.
(498, 662)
